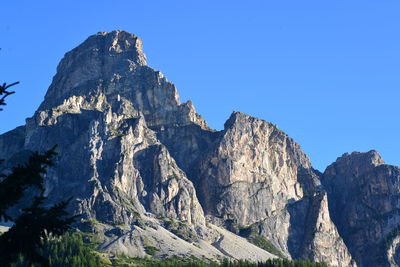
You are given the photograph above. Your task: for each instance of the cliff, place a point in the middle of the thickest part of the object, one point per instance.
(145, 170)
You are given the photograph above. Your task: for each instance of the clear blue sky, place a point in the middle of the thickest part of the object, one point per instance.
(326, 72)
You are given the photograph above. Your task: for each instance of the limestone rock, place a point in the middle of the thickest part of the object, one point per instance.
(251, 155)
(131, 154)
(12, 142)
(321, 235)
(255, 175)
(364, 197)
(393, 251)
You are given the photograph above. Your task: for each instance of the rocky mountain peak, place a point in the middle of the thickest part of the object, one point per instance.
(235, 116)
(108, 48)
(373, 157)
(355, 163)
(103, 56)
(108, 71)
(363, 195)
(145, 170)
(238, 117)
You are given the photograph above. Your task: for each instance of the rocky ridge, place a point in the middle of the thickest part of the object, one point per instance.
(364, 197)
(146, 171)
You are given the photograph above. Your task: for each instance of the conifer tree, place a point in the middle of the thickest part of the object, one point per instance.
(36, 223)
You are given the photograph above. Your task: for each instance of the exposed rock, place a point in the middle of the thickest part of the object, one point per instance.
(186, 143)
(132, 155)
(364, 197)
(152, 239)
(12, 142)
(321, 241)
(393, 252)
(252, 174)
(104, 56)
(251, 155)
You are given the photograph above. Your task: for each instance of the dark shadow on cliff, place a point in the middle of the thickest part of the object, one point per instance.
(302, 214)
(298, 216)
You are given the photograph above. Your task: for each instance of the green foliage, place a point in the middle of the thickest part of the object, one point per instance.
(266, 245)
(36, 222)
(90, 239)
(72, 250)
(122, 260)
(27, 234)
(68, 250)
(245, 231)
(180, 229)
(273, 263)
(13, 185)
(193, 262)
(150, 250)
(251, 234)
(5, 93)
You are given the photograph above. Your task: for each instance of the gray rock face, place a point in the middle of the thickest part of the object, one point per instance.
(251, 154)
(364, 202)
(320, 236)
(255, 175)
(103, 56)
(96, 111)
(12, 142)
(132, 155)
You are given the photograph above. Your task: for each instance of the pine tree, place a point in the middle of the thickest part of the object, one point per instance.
(36, 223)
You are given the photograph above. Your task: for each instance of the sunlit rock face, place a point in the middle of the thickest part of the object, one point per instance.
(254, 175)
(145, 170)
(98, 111)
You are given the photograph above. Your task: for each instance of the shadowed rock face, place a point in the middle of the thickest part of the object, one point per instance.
(364, 197)
(132, 155)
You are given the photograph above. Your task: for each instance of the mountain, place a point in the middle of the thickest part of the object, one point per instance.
(365, 199)
(150, 177)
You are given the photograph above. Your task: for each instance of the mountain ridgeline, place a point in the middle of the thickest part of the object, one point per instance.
(151, 178)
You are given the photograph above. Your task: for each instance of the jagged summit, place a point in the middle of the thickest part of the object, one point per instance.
(108, 71)
(117, 42)
(357, 162)
(372, 156)
(131, 154)
(100, 57)
(145, 171)
(364, 197)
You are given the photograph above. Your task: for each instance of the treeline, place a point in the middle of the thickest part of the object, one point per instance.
(67, 251)
(239, 263)
(71, 251)
(274, 263)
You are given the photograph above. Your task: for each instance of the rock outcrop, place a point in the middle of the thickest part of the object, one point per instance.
(145, 170)
(364, 197)
(255, 176)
